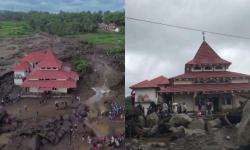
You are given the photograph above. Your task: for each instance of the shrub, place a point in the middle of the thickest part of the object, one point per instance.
(82, 66)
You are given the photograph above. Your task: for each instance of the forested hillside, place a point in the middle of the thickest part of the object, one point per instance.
(63, 23)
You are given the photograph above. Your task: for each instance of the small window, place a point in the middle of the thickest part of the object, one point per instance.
(208, 68)
(197, 68)
(43, 68)
(54, 88)
(48, 68)
(54, 68)
(218, 67)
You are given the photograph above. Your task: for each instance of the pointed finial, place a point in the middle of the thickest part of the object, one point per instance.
(203, 33)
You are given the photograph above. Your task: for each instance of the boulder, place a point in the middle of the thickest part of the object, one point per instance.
(180, 120)
(197, 124)
(153, 131)
(141, 121)
(163, 127)
(190, 132)
(178, 132)
(152, 119)
(244, 127)
(214, 123)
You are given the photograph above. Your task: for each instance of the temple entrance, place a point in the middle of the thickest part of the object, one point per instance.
(215, 101)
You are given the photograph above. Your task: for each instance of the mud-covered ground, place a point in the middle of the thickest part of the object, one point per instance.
(107, 73)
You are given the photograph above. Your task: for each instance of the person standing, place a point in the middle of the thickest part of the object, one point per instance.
(184, 107)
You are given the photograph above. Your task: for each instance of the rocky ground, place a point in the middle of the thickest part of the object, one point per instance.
(49, 129)
(182, 131)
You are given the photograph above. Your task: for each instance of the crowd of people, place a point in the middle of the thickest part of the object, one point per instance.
(10, 100)
(114, 141)
(116, 111)
(164, 109)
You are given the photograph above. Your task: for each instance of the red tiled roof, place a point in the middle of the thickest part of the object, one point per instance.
(49, 84)
(206, 55)
(52, 74)
(152, 83)
(23, 65)
(50, 60)
(207, 87)
(211, 74)
(34, 57)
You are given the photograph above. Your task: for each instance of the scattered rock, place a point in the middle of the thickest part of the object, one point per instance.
(141, 121)
(178, 132)
(190, 132)
(214, 123)
(197, 124)
(153, 131)
(180, 120)
(244, 127)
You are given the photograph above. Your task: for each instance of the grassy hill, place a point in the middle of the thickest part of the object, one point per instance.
(11, 28)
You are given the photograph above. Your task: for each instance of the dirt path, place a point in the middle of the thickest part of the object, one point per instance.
(101, 126)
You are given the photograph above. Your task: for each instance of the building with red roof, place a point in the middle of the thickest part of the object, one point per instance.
(147, 91)
(44, 72)
(206, 79)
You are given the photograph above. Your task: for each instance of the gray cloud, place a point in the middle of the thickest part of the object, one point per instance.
(153, 50)
(65, 5)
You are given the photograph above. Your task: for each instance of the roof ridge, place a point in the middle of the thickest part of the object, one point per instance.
(207, 55)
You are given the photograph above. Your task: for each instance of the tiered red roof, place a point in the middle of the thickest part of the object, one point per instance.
(152, 83)
(49, 83)
(190, 88)
(49, 73)
(50, 60)
(34, 57)
(206, 55)
(211, 74)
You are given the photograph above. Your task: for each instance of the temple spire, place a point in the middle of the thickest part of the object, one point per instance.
(203, 34)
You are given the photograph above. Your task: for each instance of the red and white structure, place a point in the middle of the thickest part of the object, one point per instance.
(206, 78)
(43, 72)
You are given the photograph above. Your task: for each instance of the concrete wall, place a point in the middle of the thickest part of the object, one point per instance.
(188, 99)
(20, 73)
(240, 81)
(61, 90)
(18, 81)
(33, 90)
(182, 82)
(151, 92)
(213, 69)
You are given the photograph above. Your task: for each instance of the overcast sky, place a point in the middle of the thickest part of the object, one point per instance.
(65, 5)
(153, 50)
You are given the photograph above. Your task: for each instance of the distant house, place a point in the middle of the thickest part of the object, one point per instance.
(109, 27)
(147, 91)
(42, 72)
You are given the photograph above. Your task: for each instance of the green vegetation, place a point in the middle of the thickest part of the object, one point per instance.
(105, 38)
(112, 51)
(82, 66)
(11, 28)
(63, 23)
